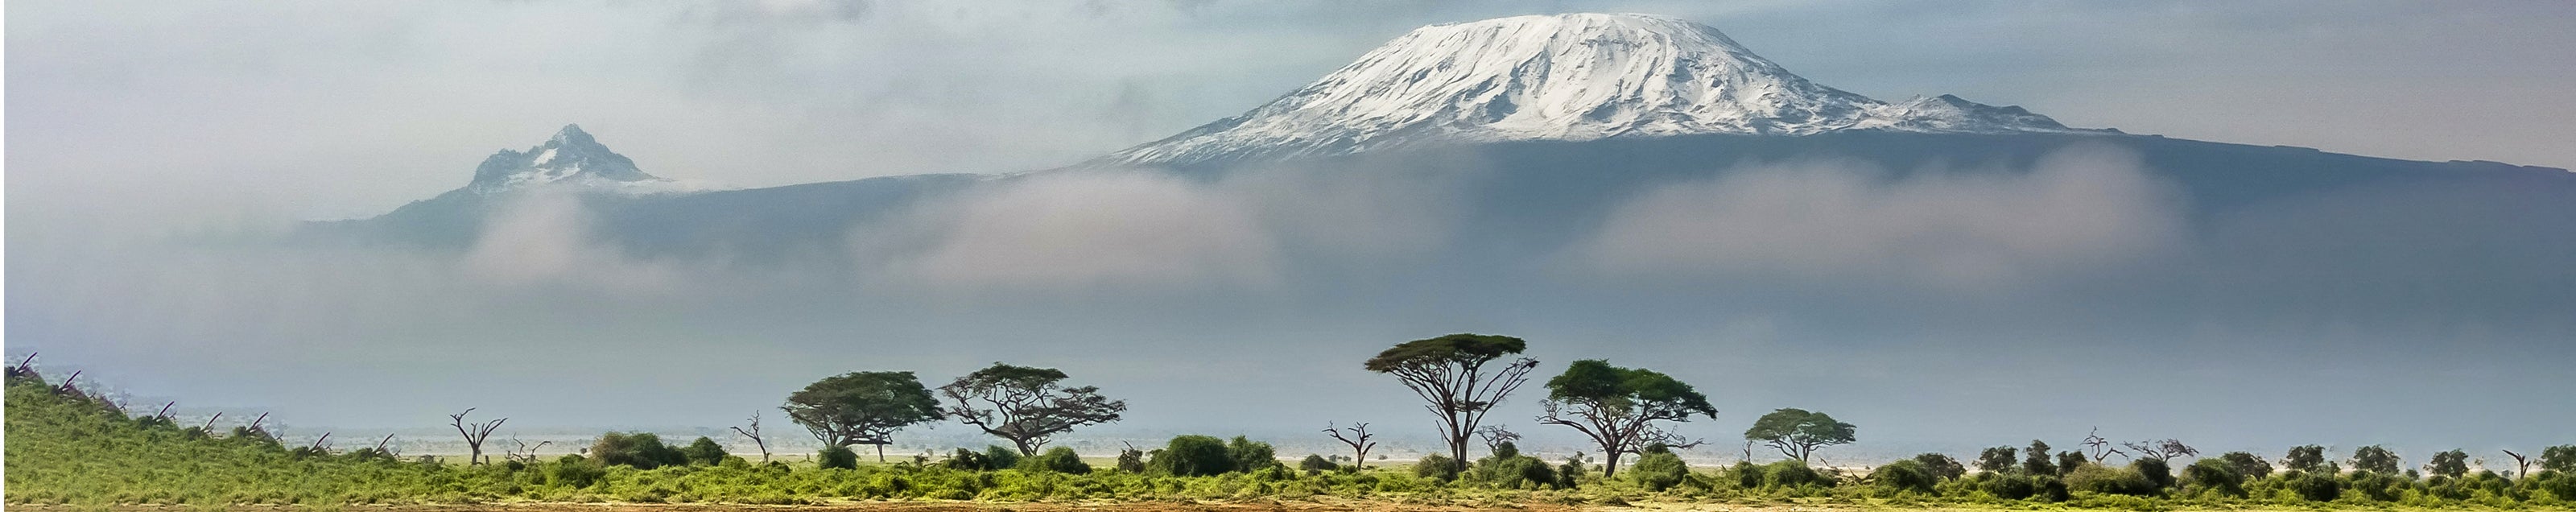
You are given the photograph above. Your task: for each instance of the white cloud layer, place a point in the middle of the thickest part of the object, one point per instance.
(2077, 209)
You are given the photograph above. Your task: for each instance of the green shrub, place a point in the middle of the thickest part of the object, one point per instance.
(2558, 484)
(1658, 471)
(1131, 460)
(1793, 473)
(1058, 459)
(1941, 466)
(704, 452)
(836, 456)
(2156, 470)
(1250, 455)
(640, 450)
(1905, 475)
(2006, 485)
(2247, 465)
(1193, 455)
(1315, 464)
(966, 460)
(2312, 487)
(1436, 467)
(574, 472)
(1746, 475)
(1508, 469)
(2214, 475)
(2098, 478)
(1001, 457)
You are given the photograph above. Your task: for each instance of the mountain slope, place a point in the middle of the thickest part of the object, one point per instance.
(1560, 77)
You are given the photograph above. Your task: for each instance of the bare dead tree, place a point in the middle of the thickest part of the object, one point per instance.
(22, 370)
(254, 423)
(318, 443)
(210, 423)
(474, 434)
(525, 453)
(756, 440)
(2167, 449)
(68, 390)
(1495, 436)
(165, 410)
(2520, 464)
(385, 446)
(2100, 448)
(1359, 439)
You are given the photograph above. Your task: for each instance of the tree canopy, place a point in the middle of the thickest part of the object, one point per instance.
(1797, 433)
(861, 407)
(1618, 407)
(1026, 405)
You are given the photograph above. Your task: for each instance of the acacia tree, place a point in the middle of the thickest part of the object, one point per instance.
(2375, 459)
(860, 408)
(1026, 405)
(1618, 407)
(1449, 372)
(1797, 433)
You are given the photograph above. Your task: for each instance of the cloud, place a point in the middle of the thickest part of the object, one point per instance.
(546, 238)
(1090, 229)
(2077, 209)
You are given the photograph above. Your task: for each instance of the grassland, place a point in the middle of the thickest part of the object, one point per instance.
(69, 451)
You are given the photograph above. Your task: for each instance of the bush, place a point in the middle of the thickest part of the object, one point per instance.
(2376, 486)
(1000, 457)
(2107, 480)
(966, 460)
(1436, 467)
(1193, 456)
(837, 456)
(1658, 471)
(1131, 460)
(2007, 486)
(574, 472)
(2247, 465)
(2375, 459)
(1508, 469)
(2312, 487)
(2559, 458)
(1747, 475)
(704, 452)
(1941, 466)
(1793, 473)
(1058, 459)
(1250, 455)
(2214, 475)
(2156, 470)
(640, 450)
(1315, 464)
(1905, 475)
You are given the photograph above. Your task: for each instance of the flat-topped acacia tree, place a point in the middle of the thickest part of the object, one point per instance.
(1026, 405)
(1451, 373)
(1618, 407)
(859, 408)
(1797, 433)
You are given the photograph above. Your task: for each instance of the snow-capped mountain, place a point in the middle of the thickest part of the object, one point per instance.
(572, 157)
(1561, 77)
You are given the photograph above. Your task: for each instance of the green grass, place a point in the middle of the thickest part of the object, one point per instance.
(63, 450)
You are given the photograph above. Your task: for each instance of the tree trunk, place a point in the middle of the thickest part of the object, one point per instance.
(1610, 464)
(881, 453)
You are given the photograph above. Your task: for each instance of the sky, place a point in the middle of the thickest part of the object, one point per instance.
(128, 128)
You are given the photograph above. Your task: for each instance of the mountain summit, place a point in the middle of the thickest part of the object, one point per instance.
(1560, 77)
(571, 157)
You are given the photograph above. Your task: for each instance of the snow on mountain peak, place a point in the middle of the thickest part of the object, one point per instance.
(1560, 77)
(571, 157)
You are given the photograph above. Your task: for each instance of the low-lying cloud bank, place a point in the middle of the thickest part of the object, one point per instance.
(2079, 209)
